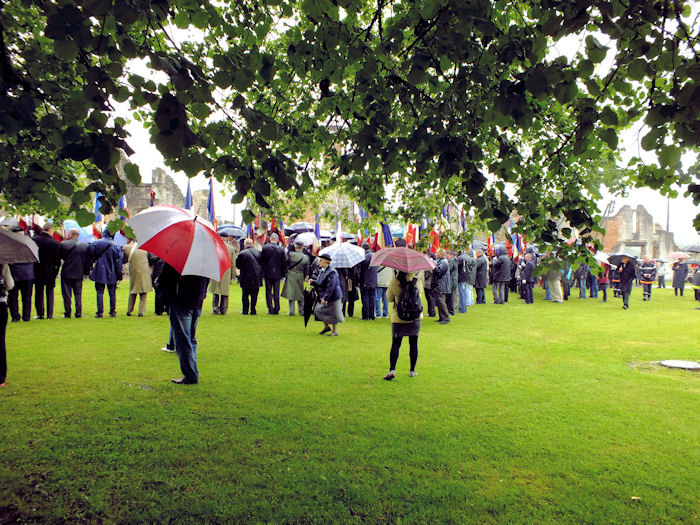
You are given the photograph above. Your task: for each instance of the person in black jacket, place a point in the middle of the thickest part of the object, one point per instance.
(528, 278)
(628, 273)
(482, 276)
(184, 295)
(250, 276)
(45, 271)
(501, 276)
(23, 274)
(76, 265)
(274, 267)
(368, 285)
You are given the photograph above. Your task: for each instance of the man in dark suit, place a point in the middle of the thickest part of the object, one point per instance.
(482, 276)
(274, 267)
(528, 278)
(76, 265)
(368, 285)
(250, 276)
(45, 271)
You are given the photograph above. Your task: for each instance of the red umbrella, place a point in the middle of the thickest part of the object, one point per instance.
(188, 243)
(402, 259)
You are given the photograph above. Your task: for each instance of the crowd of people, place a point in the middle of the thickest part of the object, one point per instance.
(458, 282)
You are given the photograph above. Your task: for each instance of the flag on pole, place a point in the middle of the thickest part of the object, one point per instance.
(281, 233)
(490, 243)
(188, 198)
(463, 220)
(210, 203)
(435, 244)
(410, 234)
(123, 206)
(317, 227)
(249, 231)
(387, 237)
(97, 225)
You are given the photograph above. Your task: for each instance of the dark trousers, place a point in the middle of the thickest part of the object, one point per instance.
(626, 298)
(350, 307)
(646, 291)
(396, 345)
(675, 290)
(272, 295)
(450, 300)
(527, 293)
(220, 304)
(25, 288)
(480, 296)
(250, 300)
(3, 350)
(71, 287)
(42, 291)
(367, 296)
(662, 281)
(183, 323)
(112, 291)
(430, 299)
(443, 312)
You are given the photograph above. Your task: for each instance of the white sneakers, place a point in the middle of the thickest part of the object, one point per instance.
(412, 373)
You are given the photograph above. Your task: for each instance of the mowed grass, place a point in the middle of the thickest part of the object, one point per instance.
(520, 413)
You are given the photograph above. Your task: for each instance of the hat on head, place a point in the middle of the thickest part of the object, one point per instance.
(325, 256)
(274, 237)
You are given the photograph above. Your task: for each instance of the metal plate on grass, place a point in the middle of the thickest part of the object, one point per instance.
(685, 365)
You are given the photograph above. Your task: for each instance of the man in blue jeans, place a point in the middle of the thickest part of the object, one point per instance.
(184, 296)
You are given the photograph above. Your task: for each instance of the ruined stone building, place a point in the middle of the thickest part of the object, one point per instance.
(633, 231)
(166, 191)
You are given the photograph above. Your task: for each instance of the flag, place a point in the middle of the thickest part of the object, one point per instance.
(22, 223)
(97, 225)
(188, 198)
(249, 231)
(463, 220)
(317, 228)
(210, 203)
(435, 244)
(35, 227)
(410, 234)
(282, 237)
(489, 245)
(123, 206)
(387, 237)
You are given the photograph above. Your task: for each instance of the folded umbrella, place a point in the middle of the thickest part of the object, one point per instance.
(17, 248)
(402, 259)
(310, 298)
(186, 242)
(344, 254)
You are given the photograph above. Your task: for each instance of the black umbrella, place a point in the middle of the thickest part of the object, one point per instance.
(232, 231)
(17, 248)
(692, 248)
(616, 258)
(310, 298)
(299, 227)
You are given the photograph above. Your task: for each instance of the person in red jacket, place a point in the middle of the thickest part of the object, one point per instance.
(604, 281)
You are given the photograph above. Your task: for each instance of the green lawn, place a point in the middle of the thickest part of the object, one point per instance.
(520, 413)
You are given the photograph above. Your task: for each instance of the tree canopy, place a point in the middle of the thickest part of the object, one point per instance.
(469, 101)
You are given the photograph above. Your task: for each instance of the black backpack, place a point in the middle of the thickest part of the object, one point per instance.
(409, 306)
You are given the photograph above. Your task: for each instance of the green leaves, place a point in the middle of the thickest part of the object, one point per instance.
(66, 50)
(595, 50)
(132, 173)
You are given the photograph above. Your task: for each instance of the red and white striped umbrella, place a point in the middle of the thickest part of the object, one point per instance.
(402, 259)
(186, 242)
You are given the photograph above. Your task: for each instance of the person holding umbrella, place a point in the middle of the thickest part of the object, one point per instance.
(6, 284)
(328, 308)
(628, 273)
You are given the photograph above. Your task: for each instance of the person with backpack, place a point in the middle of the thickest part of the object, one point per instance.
(406, 313)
